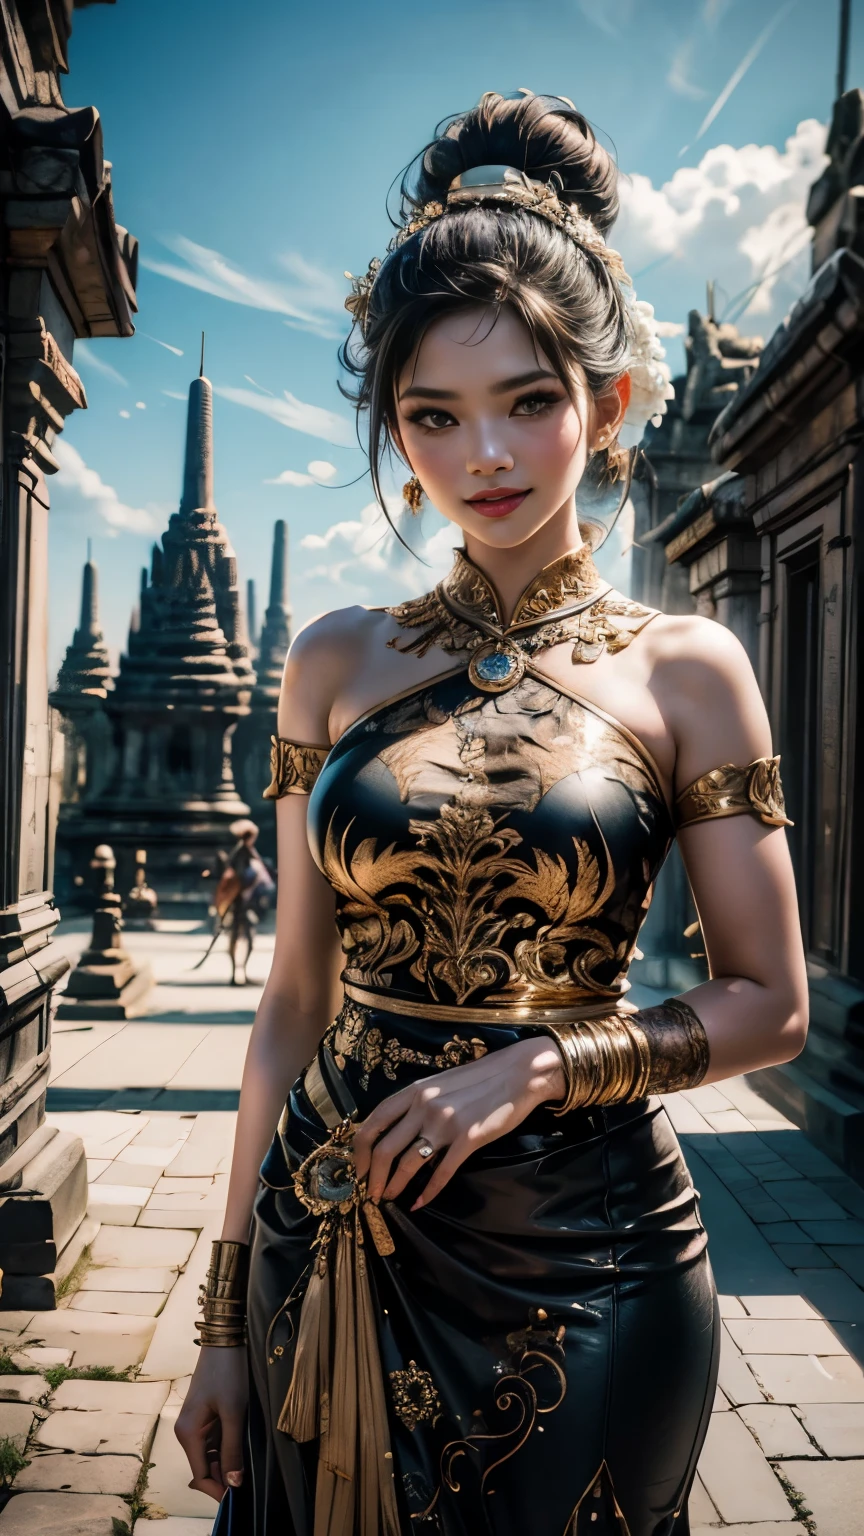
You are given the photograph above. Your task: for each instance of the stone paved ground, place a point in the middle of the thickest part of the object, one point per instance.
(785, 1451)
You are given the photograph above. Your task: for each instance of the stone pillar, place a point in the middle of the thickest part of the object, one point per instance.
(67, 270)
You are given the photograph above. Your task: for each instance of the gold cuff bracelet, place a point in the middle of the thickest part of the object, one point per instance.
(222, 1297)
(624, 1057)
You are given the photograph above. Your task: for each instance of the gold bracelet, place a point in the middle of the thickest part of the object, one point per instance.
(626, 1057)
(222, 1297)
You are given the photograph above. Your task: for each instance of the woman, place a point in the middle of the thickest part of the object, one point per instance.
(479, 1296)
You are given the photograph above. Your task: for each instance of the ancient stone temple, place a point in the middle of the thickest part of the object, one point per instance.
(184, 682)
(252, 741)
(83, 683)
(792, 437)
(67, 270)
(675, 462)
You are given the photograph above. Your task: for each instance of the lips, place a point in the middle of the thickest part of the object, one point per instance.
(499, 502)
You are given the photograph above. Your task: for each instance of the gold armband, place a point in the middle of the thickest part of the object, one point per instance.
(294, 768)
(222, 1297)
(731, 791)
(630, 1056)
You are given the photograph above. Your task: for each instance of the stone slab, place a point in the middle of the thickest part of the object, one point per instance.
(805, 1202)
(175, 1525)
(95, 1167)
(782, 1232)
(850, 1259)
(837, 1427)
(777, 1306)
(216, 1062)
(115, 1279)
(129, 1247)
(22, 1389)
(168, 1480)
(735, 1379)
(742, 1260)
(784, 1336)
(209, 1146)
(132, 1303)
(728, 1120)
(808, 1378)
(104, 1132)
(777, 1430)
(42, 1356)
(98, 1432)
(846, 1230)
(764, 1528)
(80, 1240)
(115, 1397)
(164, 1131)
(16, 1420)
(117, 1205)
(834, 1293)
(145, 1155)
(64, 1472)
(685, 1117)
(62, 1514)
(138, 1056)
(803, 1256)
(142, 1176)
(100, 1339)
(834, 1491)
(730, 1306)
(699, 1506)
(739, 1480)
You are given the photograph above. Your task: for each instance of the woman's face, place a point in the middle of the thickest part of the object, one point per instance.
(496, 441)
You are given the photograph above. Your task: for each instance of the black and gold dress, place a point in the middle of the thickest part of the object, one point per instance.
(536, 1351)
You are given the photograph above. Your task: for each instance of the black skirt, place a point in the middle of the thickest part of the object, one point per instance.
(548, 1327)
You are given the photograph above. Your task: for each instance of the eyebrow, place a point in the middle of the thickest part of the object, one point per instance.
(502, 388)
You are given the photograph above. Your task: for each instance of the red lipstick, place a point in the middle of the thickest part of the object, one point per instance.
(499, 501)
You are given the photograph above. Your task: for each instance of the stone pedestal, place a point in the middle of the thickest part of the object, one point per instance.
(106, 983)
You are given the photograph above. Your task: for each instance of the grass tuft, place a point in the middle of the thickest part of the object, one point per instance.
(72, 1282)
(57, 1374)
(11, 1461)
(8, 1366)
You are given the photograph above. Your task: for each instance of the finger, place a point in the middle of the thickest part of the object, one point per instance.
(397, 1139)
(196, 1438)
(452, 1159)
(367, 1135)
(408, 1166)
(231, 1451)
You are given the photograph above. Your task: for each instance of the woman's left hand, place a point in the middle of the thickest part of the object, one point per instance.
(455, 1112)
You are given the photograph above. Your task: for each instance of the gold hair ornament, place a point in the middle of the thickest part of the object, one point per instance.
(412, 492)
(501, 184)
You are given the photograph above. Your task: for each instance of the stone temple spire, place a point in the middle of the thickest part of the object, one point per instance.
(184, 683)
(276, 629)
(198, 467)
(86, 668)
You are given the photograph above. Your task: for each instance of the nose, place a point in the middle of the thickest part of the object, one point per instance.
(488, 454)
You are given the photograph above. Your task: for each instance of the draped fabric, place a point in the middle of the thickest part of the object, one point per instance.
(546, 1328)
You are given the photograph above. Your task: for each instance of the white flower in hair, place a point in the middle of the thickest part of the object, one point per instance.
(650, 376)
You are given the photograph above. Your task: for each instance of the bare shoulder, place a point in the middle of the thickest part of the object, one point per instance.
(324, 657)
(707, 692)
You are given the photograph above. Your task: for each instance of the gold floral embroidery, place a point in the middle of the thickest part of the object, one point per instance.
(352, 1037)
(464, 867)
(462, 613)
(294, 768)
(731, 791)
(414, 1396)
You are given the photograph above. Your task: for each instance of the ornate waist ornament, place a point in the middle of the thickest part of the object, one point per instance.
(566, 602)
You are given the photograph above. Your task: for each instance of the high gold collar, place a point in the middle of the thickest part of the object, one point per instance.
(562, 587)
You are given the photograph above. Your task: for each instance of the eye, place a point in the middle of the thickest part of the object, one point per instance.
(432, 420)
(535, 404)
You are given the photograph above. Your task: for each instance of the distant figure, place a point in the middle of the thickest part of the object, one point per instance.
(243, 895)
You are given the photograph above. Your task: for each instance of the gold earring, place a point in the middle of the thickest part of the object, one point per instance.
(412, 491)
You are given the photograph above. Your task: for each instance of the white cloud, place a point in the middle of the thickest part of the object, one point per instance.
(140, 406)
(367, 558)
(311, 300)
(98, 364)
(314, 420)
(178, 351)
(125, 415)
(737, 217)
(318, 472)
(680, 71)
(77, 476)
(610, 16)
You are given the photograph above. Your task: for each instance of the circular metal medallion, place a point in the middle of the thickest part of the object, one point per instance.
(326, 1181)
(497, 666)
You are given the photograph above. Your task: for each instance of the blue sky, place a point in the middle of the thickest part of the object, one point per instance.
(252, 151)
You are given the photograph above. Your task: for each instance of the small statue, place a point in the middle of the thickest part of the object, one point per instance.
(243, 894)
(142, 903)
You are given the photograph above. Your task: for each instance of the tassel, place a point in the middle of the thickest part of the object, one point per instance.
(308, 1394)
(378, 1515)
(335, 1492)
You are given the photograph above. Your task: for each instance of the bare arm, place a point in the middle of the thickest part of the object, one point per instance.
(754, 1008)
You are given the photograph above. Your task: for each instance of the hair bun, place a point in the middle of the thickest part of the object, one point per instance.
(544, 136)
